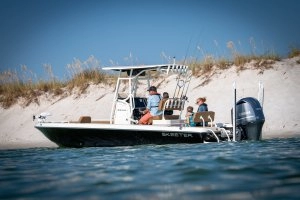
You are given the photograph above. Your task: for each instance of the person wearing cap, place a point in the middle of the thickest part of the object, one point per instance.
(152, 106)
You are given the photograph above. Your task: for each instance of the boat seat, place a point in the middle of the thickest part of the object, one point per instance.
(82, 119)
(170, 104)
(207, 116)
(85, 119)
(166, 117)
(100, 122)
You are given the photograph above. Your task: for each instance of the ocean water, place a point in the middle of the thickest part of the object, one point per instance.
(267, 169)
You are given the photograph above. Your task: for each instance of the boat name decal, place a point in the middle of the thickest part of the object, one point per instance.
(176, 135)
(119, 109)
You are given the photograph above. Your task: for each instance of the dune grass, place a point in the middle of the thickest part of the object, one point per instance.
(237, 59)
(294, 52)
(25, 86)
(205, 66)
(12, 91)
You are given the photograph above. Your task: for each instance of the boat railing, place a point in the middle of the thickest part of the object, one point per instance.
(225, 132)
(218, 140)
(173, 68)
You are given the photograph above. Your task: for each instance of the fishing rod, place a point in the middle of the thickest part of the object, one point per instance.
(187, 80)
(177, 89)
(187, 50)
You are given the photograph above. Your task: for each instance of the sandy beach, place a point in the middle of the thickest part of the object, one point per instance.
(281, 91)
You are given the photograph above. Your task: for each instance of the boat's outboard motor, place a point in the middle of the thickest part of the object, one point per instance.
(250, 117)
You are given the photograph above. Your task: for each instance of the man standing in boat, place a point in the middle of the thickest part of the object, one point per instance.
(152, 106)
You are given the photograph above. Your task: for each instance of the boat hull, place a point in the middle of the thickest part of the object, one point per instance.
(105, 136)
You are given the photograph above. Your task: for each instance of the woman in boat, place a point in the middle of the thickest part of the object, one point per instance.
(152, 106)
(202, 105)
(202, 108)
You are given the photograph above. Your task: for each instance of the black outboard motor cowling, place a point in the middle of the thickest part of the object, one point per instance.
(250, 117)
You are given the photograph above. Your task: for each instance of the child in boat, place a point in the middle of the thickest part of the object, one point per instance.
(165, 97)
(189, 121)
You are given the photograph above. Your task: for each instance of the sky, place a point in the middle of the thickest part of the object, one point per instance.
(133, 32)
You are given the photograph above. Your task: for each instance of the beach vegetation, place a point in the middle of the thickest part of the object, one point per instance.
(294, 52)
(209, 63)
(24, 86)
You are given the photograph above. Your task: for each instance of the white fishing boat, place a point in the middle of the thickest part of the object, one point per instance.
(122, 128)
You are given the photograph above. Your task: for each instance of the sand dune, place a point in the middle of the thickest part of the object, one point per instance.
(281, 92)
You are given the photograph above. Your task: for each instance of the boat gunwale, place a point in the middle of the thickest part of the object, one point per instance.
(155, 128)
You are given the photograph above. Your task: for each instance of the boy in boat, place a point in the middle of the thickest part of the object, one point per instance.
(152, 106)
(189, 121)
(165, 97)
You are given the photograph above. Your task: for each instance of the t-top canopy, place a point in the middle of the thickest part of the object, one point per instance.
(163, 67)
